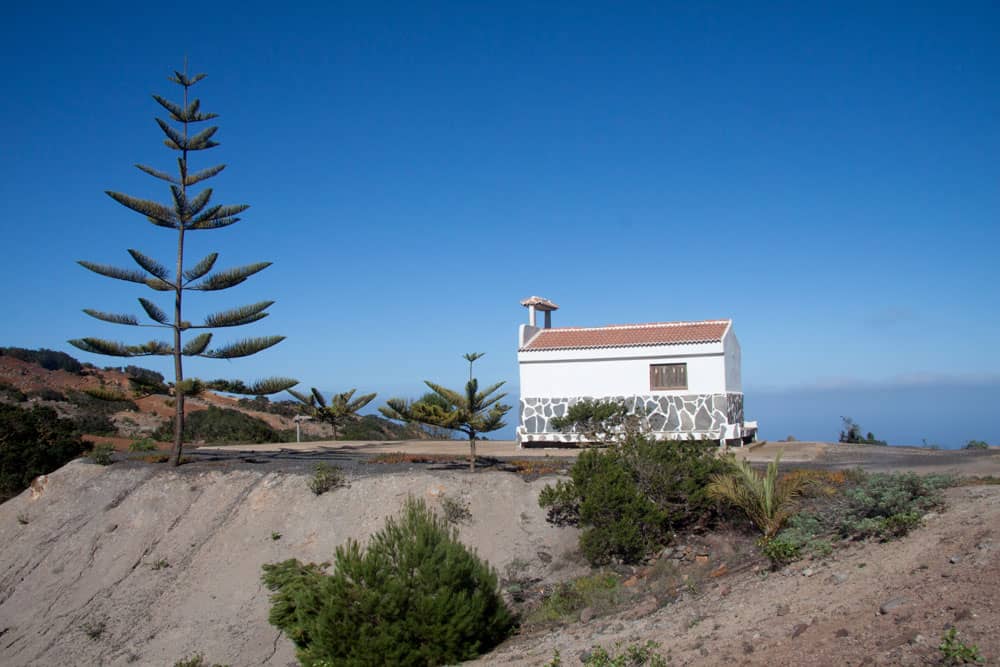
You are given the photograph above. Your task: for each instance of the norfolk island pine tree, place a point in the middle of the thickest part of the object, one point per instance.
(185, 214)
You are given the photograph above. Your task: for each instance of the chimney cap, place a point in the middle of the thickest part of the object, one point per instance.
(540, 303)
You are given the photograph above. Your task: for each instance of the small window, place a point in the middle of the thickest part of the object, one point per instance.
(668, 376)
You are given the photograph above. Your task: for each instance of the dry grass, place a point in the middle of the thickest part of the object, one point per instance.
(815, 483)
(390, 458)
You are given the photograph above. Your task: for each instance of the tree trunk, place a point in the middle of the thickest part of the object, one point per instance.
(472, 453)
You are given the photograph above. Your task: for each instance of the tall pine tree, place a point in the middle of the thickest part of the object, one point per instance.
(185, 213)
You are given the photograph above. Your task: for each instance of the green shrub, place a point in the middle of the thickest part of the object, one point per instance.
(102, 454)
(142, 445)
(976, 444)
(221, 425)
(956, 652)
(890, 505)
(628, 499)
(9, 392)
(415, 596)
(633, 655)
(33, 442)
(801, 536)
(326, 477)
(601, 591)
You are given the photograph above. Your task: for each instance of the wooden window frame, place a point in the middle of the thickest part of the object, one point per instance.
(652, 373)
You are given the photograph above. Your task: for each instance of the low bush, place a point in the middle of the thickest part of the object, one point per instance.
(954, 651)
(142, 445)
(890, 505)
(46, 394)
(632, 655)
(630, 498)
(221, 425)
(326, 477)
(414, 596)
(601, 591)
(102, 454)
(804, 534)
(33, 442)
(197, 660)
(10, 393)
(976, 444)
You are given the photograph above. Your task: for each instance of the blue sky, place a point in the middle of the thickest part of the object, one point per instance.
(825, 176)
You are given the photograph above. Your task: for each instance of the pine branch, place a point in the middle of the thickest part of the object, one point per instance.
(114, 318)
(238, 316)
(263, 387)
(244, 348)
(201, 268)
(175, 139)
(157, 213)
(100, 346)
(183, 80)
(217, 216)
(162, 175)
(150, 264)
(229, 277)
(197, 345)
(114, 272)
(453, 397)
(175, 110)
(195, 205)
(203, 140)
(153, 311)
(203, 174)
(153, 347)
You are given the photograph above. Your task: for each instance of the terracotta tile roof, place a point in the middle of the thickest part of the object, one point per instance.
(628, 335)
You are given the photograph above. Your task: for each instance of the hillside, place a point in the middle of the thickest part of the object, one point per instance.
(144, 565)
(80, 392)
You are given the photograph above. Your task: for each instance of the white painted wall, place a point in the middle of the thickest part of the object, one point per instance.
(619, 371)
(734, 362)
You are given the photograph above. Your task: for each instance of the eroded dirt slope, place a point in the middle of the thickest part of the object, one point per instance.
(115, 566)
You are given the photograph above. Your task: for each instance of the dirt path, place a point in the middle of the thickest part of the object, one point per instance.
(826, 612)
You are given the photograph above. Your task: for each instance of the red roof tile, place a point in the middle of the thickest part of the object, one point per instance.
(628, 335)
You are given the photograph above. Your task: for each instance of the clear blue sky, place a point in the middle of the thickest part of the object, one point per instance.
(828, 177)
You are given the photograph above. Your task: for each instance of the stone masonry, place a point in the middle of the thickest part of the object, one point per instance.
(667, 416)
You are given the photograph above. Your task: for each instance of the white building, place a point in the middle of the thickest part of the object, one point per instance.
(683, 376)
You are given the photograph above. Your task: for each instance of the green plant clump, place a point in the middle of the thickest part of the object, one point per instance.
(887, 506)
(976, 444)
(33, 442)
(633, 655)
(601, 591)
(325, 478)
(956, 652)
(415, 596)
(142, 445)
(630, 498)
(221, 425)
(197, 660)
(102, 454)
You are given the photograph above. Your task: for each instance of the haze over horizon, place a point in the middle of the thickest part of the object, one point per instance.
(827, 177)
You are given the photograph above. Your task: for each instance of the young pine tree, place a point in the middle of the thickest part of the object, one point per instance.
(187, 211)
(341, 409)
(472, 412)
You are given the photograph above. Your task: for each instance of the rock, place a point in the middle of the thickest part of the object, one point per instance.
(544, 556)
(781, 610)
(586, 614)
(725, 590)
(842, 633)
(719, 571)
(747, 648)
(918, 639)
(891, 605)
(701, 558)
(837, 578)
(703, 652)
(631, 581)
(799, 629)
(955, 560)
(584, 656)
(808, 572)
(963, 615)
